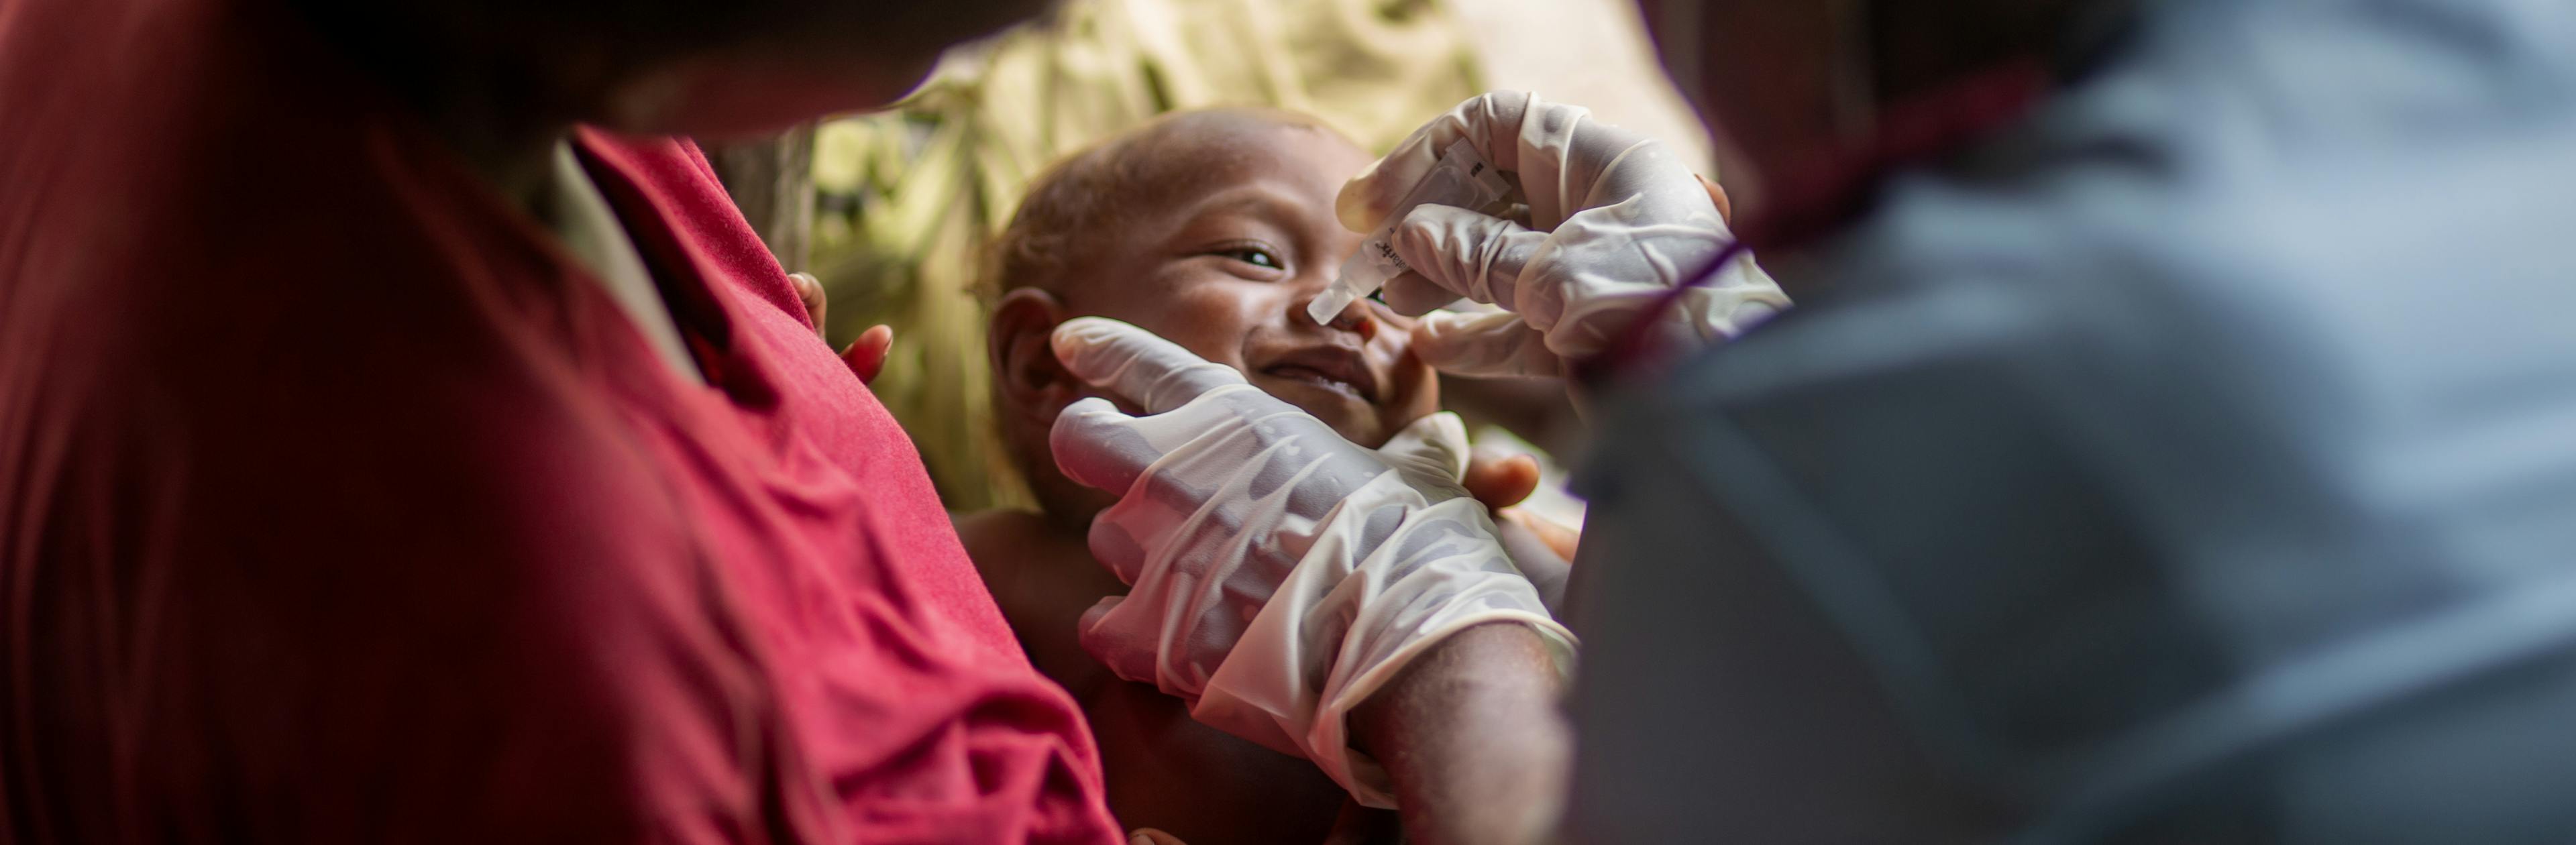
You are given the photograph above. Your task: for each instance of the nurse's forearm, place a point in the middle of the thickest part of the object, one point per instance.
(1473, 738)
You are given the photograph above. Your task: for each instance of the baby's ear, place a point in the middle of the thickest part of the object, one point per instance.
(1030, 381)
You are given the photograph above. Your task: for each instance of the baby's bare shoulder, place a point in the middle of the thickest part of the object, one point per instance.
(1010, 548)
(1041, 574)
(997, 528)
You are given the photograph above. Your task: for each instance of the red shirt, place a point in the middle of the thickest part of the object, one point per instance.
(336, 505)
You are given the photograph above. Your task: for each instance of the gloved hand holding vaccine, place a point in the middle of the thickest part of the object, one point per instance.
(1616, 221)
(1279, 574)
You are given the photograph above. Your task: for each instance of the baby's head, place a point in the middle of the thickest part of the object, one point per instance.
(1213, 229)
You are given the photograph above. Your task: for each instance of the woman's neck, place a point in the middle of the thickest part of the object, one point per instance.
(514, 156)
(500, 110)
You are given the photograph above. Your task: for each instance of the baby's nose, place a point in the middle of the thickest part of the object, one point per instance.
(1360, 318)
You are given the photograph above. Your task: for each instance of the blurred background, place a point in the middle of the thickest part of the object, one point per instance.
(871, 203)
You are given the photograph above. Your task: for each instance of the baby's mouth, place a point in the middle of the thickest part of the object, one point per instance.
(1332, 368)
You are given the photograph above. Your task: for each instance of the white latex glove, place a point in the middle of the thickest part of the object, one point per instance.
(1615, 221)
(1280, 573)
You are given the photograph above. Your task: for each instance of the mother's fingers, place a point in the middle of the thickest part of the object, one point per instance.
(810, 291)
(866, 356)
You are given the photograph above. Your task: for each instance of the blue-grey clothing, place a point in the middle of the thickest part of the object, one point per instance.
(2196, 462)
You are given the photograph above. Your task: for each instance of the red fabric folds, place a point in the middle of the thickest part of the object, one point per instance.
(336, 505)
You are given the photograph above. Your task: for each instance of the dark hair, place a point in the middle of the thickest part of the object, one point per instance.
(1063, 212)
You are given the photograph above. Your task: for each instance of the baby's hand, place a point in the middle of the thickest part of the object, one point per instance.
(1541, 549)
(1558, 538)
(1500, 479)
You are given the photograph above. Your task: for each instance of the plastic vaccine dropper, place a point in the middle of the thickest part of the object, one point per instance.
(1462, 179)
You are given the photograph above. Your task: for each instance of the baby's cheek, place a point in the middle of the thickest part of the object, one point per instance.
(1210, 326)
(1218, 318)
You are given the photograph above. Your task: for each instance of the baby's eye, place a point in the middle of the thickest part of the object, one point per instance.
(1253, 255)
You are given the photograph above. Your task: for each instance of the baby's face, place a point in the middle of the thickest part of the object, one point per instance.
(1226, 264)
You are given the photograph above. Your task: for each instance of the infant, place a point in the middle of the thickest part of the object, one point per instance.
(1214, 229)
